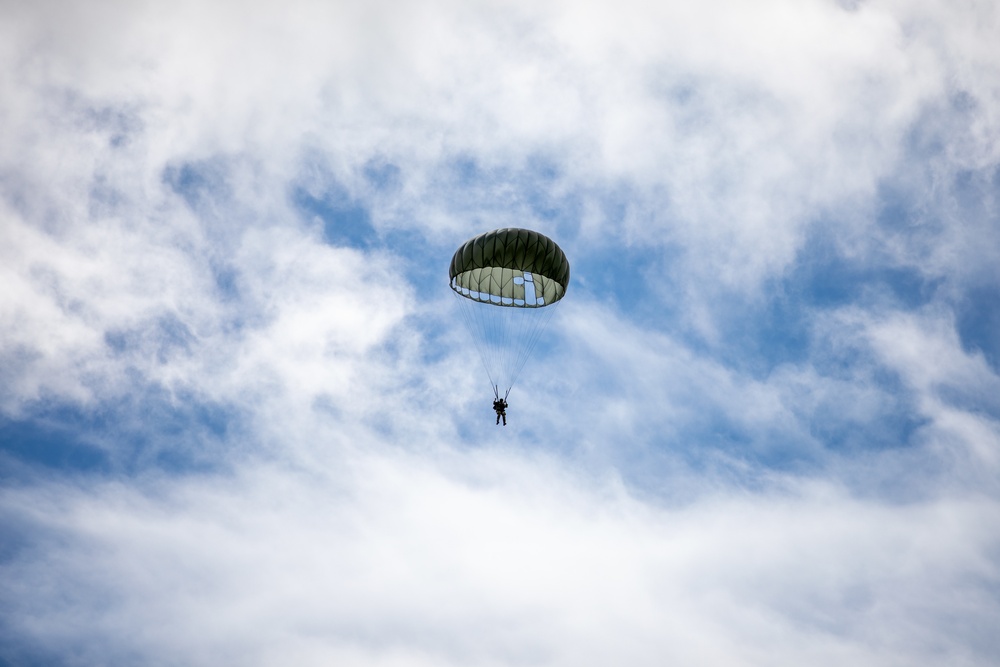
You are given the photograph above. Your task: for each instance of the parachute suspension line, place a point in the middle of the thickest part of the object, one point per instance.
(523, 331)
(476, 327)
(505, 338)
(534, 325)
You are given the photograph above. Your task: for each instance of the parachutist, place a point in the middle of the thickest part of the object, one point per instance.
(500, 405)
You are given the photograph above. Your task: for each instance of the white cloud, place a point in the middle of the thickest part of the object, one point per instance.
(492, 559)
(957, 390)
(377, 520)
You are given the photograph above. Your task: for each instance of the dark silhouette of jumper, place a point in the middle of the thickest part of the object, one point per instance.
(500, 405)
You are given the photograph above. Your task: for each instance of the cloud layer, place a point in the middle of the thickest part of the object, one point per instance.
(241, 423)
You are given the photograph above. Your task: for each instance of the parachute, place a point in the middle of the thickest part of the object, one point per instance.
(508, 282)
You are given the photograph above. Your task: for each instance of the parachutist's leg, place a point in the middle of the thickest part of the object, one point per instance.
(505, 420)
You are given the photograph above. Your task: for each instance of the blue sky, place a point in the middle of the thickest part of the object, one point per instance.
(241, 421)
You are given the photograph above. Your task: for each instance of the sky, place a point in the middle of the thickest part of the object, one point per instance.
(241, 421)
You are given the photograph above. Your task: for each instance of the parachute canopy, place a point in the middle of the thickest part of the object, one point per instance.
(508, 281)
(510, 267)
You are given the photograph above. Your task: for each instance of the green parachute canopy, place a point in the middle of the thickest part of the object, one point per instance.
(507, 281)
